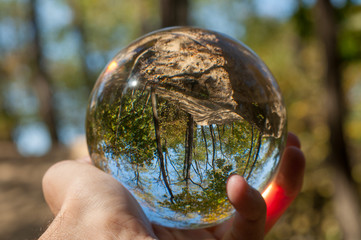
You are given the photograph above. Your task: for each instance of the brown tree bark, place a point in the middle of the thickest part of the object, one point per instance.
(188, 158)
(259, 143)
(174, 13)
(80, 27)
(41, 78)
(213, 146)
(159, 145)
(345, 199)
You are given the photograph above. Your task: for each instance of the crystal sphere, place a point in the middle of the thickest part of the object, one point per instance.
(178, 111)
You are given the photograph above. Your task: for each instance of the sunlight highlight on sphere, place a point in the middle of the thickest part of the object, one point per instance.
(178, 111)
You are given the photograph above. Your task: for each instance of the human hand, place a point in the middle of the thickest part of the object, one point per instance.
(90, 204)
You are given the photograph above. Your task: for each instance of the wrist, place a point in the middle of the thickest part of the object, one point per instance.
(65, 226)
(100, 223)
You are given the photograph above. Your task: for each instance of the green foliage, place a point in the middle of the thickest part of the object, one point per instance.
(211, 201)
(126, 130)
(303, 22)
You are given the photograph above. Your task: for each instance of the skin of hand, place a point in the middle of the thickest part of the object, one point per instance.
(90, 204)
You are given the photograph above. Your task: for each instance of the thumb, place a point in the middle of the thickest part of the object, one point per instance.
(91, 195)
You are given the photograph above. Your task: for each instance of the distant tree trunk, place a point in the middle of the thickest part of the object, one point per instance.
(79, 25)
(174, 13)
(259, 143)
(346, 199)
(144, 15)
(6, 119)
(188, 148)
(206, 146)
(213, 146)
(220, 140)
(41, 78)
(250, 153)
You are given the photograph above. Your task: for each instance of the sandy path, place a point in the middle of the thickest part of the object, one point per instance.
(23, 211)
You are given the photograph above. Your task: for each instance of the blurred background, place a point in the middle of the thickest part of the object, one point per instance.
(51, 52)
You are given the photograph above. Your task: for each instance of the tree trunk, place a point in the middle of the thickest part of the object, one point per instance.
(259, 143)
(174, 13)
(42, 82)
(188, 149)
(159, 145)
(205, 146)
(250, 153)
(346, 198)
(80, 27)
(213, 147)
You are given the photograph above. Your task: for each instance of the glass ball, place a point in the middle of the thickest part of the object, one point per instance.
(178, 111)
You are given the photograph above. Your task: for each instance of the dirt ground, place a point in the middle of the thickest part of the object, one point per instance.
(23, 211)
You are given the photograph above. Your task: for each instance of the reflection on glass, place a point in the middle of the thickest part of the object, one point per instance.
(178, 111)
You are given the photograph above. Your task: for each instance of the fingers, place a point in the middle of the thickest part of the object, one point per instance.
(249, 220)
(292, 167)
(287, 183)
(93, 197)
(292, 140)
(291, 171)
